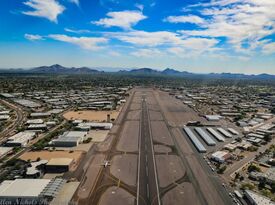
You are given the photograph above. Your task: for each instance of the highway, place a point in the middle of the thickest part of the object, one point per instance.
(147, 177)
(20, 118)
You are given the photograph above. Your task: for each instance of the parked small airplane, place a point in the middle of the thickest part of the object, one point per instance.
(106, 163)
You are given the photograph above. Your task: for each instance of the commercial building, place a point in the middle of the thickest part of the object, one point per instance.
(70, 139)
(4, 151)
(37, 127)
(269, 175)
(35, 121)
(213, 117)
(59, 165)
(94, 125)
(36, 169)
(4, 117)
(27, 103)
(29, 191)
(40, 114)
(220, 156)
(20, 139)
(256, 199)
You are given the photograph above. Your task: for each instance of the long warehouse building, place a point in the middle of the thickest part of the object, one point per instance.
(224, 132)
(215, 134)
(194, 139)
(208, 140)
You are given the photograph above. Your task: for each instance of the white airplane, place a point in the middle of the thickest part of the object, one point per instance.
(106, 163)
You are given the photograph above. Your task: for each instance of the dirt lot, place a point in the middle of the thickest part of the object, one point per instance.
(90, 115)
(76, 155)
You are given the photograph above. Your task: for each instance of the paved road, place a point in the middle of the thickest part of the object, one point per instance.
(147, 178)
(17, 122)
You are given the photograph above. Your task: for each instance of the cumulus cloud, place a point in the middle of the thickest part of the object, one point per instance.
(243, 23)
(122, 19)
(32, 37)
(88, 43)
(49, 9)
(149, 39)
(185, 19)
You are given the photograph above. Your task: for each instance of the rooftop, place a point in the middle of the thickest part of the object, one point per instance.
(23, 187)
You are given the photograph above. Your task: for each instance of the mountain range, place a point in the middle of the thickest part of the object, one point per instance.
(58, 69)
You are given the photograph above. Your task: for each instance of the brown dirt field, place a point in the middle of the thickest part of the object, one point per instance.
(47, 155)
(90, 115)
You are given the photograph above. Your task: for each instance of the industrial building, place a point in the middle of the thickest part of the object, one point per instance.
(194, 139)
(208, 140)
(20, 139)
(220, 156)
(36, 191)
(70, 139)
(59, 165)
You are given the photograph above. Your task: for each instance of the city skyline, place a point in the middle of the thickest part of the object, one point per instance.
(208, 36)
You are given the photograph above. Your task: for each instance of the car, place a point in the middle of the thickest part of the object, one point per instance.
(223, 184)
(212, 169)
(230, 194)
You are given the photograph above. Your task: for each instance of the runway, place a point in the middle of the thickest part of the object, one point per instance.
(163, 169)
(148, 190)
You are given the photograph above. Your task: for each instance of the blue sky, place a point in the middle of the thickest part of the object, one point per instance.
(199, 36)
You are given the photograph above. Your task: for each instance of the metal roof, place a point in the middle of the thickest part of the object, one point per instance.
(194, 139)
(216, 134)
(23, 187)
(208, 140)
(224, 132)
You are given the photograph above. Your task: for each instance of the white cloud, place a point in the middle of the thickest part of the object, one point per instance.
(32, 37)
(49, 9)
(122, 19)
(148, 39)
(139, 6)
(75, 2)
(243, 23)
(146, 53)
(81, 31)
(269, 48)
(185, 19)
(166, 39)
(88, 43)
